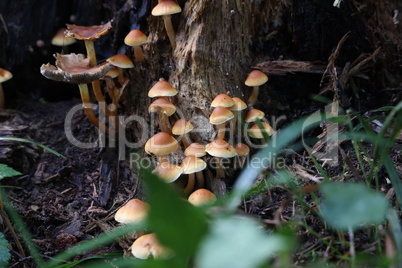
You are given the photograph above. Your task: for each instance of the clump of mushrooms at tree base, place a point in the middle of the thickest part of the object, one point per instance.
(87, 73)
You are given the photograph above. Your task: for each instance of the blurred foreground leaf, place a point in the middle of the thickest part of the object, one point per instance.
(4, 251)
(237, 242)
(351, 205)
(178, 224)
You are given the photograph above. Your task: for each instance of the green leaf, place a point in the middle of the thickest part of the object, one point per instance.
(5, 255)
(351, 205)
(35, 143)
(6, 171)
(237, 242)
(177, 224)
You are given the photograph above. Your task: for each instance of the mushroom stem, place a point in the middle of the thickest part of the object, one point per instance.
(138, 54)
(186, 141)
(253, 97)
(2, 100)
(86, 103)
(233, 123)
(164, 122)
(221, 131)
(200, 179)
(162, 158)
(220, 172)
(170, 31)
(190, 184)
(89, 45)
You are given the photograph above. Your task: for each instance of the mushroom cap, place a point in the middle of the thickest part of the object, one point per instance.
(135, 38)
(161, 144)
(112, 73)
(162, 105)
(256, 78)
(5, 75)
(220, 115)
(222, 100)
(59, 39)
(192, 164)
(162, 89)
(238, 105)
(148, 245)
(256, 132)
(121, 61)
(201, 197)
(253, 114)
(195, 149)
(87, 32)
(242, 149)
(182, 127)
(134, 211)
(166, 7)
(168, 172)
(74, 68)
(220, 148)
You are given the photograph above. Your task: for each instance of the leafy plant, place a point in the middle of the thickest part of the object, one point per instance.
(5, 255)
(6, 171)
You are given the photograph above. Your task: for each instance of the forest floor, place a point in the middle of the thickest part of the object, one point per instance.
(58, 197)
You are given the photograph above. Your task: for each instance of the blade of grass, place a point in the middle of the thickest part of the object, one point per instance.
(265, 157)
(395, 180)
(22, 228)
(35, 143)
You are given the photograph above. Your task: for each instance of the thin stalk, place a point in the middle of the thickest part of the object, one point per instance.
(164, 122)
(200, 179)
(170, 31)
(220, 172)
(221, 131)
(138, 54)
(254, 96)
(2, 100)
(190, 184)
(186, 141)
(86, 103)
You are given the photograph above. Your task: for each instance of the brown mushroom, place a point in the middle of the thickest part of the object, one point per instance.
(135, 38)
(164, 108)
(166, 9)
(202, 197)
(182, 127)
(219, 117)
(192, 165)
(255, 79)
(4, 76)
(161, 145)
(220, 149)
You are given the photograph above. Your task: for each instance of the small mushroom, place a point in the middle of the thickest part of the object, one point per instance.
(202, 197)
(168, 172)
(255, 79)
(242, 150)
(256, 132)
(4, 76)
(183, 127)
(238, 106)
(135, 38)
(148, 246)
(161, 144)
(219, 117)
(192, 165)
(166, 9)
(134, 211)
(162, 89)
(197, 150)
(220, 149)
(222, 100)
(60, 40)
(254, 114)
(164, 108)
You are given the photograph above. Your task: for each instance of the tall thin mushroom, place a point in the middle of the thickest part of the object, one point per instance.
(255, 79)
(4, 76)
(166, 9)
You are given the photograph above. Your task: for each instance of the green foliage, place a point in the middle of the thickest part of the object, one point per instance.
(351, 205)
(33, 142)
(6, 171)
(5, 255)
(237, 242)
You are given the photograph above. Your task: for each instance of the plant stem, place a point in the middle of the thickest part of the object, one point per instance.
(190, 184)
(170, 31)
(253, 97)
(221, 131)
(138, 54)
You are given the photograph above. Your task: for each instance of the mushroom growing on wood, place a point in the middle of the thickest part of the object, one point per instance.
(219, 117)
(4, 76)
(242, 151)
(197, 150)
(166, 9)
(183, 127)
(220, 149)
(238, 106)
(162, 89)
(192, 165)
(256, 132)
(135, 38)
(161, 145)
(254, 114)
(168, 172)
(76, 69)
(222, 100)
(255, 79)
(148, 246)
(60, 40)
(164, 108)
